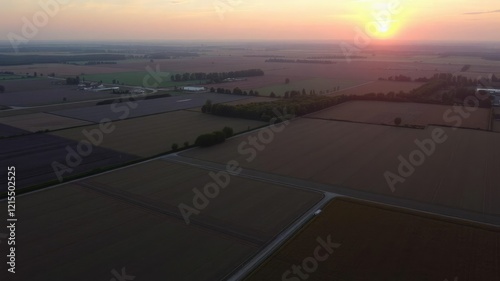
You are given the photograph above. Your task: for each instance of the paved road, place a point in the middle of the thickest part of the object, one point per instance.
(345, 191)
(330, 192)
(145, 107)
(280, 239)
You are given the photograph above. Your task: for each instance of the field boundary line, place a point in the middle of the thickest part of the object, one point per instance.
(127, 198)
(404, 203)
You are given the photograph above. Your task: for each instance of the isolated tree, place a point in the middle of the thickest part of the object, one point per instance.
(397, 121)
(287, 81)
(207, 107)
(272, 95)
(237, 91)
(2, 89)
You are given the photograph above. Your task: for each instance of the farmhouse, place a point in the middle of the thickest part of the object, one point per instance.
(193, 89)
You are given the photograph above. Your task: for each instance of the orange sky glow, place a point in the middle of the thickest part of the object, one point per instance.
(252, 20)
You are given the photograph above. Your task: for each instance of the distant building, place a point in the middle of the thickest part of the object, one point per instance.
(193, 89)
(494, 95)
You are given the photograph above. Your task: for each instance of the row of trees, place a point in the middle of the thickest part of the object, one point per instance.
(214, 137)
(39, 59)
(295, 93)
(216, 77)
(288, 94)
(265, 111)
(100, 62)
(451, 80)
(235, 91)
(301, 61)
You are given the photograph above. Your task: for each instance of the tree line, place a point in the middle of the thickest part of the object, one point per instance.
(301, 61)
(39, 59)
(264, 111)
(235, 91)
(450, 79)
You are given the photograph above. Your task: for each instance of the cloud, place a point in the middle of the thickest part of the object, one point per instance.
(480, 13)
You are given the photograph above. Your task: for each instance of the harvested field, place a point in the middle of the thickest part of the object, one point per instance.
(41, 121)
(33, 156)
(137, 78)
(460, 173)
(42, 92)
(125, 110)
(151, 135)
(373, 242)
(88, 228)
(68, 69)
(379, 112)
(245, 101)
(7, 131)
(381, 87)
(320, 85)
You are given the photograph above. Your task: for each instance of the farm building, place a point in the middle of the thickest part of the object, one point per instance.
(193, 89)
(494, 94)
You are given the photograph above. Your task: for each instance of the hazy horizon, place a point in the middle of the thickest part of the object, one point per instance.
(300, 20)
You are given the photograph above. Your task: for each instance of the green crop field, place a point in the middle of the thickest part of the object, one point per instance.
(317, 84)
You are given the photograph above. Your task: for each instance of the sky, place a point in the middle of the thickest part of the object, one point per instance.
(215, 20)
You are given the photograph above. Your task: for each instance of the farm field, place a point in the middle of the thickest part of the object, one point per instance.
(496, 122)
(358, 156)
(152, 135)
(387, 244)
(354, 70)
(8, 131)
(68, 69)
(380, 112)
(41, 91)
(140, 108)
(33, 156)
(381, 87)
(87, 228)
(137, 78)
(41, 121)
(318, 84)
